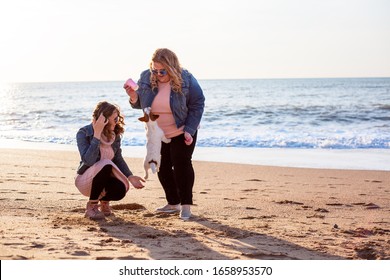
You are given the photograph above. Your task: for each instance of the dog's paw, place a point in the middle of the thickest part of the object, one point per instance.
(153, 166)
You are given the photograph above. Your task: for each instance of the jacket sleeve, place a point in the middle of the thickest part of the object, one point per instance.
(88, 149)
(136, 105)
(144, 85)
(119, 160)
(195, 104)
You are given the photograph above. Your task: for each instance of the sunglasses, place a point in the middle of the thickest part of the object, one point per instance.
(161, 72)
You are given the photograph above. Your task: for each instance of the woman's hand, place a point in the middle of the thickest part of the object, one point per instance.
(136, 181)
(188, 138)
(98, 125)
(131, 92)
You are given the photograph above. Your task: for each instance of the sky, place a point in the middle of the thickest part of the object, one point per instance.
(110, 40)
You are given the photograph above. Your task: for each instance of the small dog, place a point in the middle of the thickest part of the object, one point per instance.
(154, 136)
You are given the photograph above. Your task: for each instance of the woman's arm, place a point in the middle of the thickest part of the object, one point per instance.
(88, 149)
(195, 104)
(122, 165)
(119, 160)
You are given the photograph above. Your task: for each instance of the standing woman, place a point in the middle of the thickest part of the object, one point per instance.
(173, 93)
(103, 174)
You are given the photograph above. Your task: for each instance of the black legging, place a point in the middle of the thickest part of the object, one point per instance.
(176, 173)
(115, 189)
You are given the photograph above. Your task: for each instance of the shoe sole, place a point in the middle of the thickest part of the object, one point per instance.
(185, 217)
(167, 211)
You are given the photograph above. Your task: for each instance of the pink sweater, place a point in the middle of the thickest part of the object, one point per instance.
(160, 106)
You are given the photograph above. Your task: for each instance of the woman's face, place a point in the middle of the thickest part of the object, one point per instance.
(160, 72)
(112, 121)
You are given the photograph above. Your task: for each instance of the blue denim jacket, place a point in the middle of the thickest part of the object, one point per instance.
(89, 149)
(187, 108)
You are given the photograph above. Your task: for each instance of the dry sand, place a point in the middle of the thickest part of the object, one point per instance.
(240, 212)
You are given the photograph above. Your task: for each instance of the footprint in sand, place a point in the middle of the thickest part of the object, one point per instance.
(128, 206)
(371, 206)
(248, 218)
(366, 252)
(254, 180)
(334, 204)
(367, 205)
(289, 202)
(19, 257)
(34, 245)
(268, 256)
(79, 253)
(373, 181)
(322, 210)
(316, 216)
(250, 190)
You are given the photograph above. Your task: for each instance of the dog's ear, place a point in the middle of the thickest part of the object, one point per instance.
(153, 117)
(145, 118)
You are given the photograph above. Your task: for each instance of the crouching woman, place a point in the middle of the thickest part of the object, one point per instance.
(103, 174)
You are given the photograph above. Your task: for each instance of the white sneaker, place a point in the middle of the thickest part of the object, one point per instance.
(169, 208)
(185, 212)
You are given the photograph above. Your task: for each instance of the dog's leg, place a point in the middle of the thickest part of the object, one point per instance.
(146, 166)
(153, 167)
(165, 140)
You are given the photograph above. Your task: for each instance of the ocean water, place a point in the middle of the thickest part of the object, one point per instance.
(333, 114)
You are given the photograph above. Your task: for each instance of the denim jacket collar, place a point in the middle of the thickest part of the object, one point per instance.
(89, 130)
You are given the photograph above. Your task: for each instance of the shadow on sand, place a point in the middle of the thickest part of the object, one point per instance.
(165, 237)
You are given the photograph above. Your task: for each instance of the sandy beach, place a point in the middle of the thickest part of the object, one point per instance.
(241, 212)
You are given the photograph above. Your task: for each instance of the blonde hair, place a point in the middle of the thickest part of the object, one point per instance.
(107, 109)
(171, 63)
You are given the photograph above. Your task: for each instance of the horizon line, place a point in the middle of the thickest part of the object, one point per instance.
(200, 79)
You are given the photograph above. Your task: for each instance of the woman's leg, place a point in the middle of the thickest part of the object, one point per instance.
(115, 190)
(183, 171)
(166, 177)
(100, 182)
